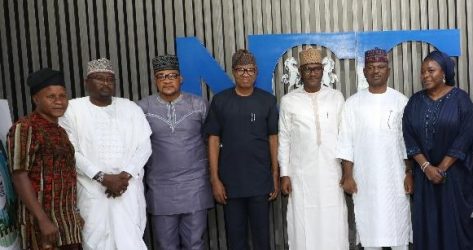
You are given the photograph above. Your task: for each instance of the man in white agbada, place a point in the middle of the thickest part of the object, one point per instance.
(111, 137)
(308, 128)
(372, 148)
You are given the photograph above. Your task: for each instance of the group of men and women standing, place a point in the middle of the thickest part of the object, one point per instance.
(378, 146)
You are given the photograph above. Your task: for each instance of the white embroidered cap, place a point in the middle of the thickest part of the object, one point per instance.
(102, 65)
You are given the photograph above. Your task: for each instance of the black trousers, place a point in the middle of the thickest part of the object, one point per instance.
(240, 211)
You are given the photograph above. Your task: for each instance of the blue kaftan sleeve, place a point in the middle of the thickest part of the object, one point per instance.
(412, 145)
(463, 141)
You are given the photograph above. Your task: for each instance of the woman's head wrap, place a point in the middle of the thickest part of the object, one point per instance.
(446, 63)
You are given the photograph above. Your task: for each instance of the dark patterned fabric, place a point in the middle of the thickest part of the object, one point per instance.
(376, 55)
(43, 149)
(8, 229)
(165, 62)
(242, 57)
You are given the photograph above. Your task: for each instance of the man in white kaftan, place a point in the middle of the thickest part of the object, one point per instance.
(111, 137)
(308, 129)
(372, 148)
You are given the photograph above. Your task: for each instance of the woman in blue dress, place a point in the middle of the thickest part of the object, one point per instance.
(438, 132)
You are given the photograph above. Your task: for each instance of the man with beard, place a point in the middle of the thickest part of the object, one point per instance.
(372, 148)
(111, 140)
(310, 171)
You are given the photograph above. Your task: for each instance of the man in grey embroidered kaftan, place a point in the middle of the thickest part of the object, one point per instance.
(178, 191)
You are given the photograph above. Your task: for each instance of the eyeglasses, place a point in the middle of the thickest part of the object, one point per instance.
(241, 71)
(104, 80)
(170, 76)
(308, 70)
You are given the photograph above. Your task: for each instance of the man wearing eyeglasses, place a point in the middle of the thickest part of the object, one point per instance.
(178, 191)
(310, 172)
(111, 138)
(242, 126)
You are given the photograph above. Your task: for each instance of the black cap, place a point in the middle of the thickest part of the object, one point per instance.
(165, 62)
(43, 78)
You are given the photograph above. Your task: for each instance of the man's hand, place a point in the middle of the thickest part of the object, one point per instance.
(111, 194)
(348, 184)
(273, 152)
(273, 195)
(125, 176)
(116, 184)
(48, 231)
(219, 192)
(286, 186)
(27, 195)
(409, 183)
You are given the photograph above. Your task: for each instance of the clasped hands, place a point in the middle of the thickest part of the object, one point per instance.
(116, 184)
(435, 174)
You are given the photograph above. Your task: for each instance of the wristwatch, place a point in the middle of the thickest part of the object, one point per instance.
(99, 176)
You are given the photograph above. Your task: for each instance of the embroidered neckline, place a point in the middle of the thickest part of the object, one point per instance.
(162, 101)
(445, 96)
(432, 113)
(171, 116)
